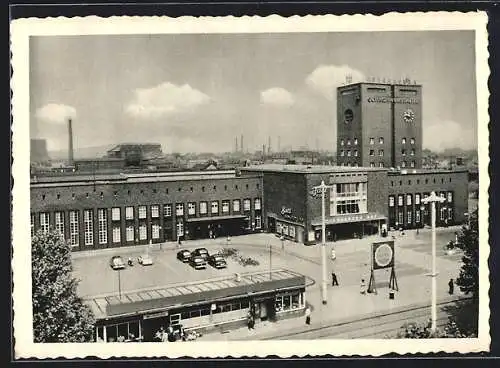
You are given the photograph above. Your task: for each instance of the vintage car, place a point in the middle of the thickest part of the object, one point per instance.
(145, 260)
(217, 261)
(184, 255)
(116, 263)
(202, 252)
(197, 262)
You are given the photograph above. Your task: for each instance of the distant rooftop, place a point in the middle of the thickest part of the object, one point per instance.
(305, 169)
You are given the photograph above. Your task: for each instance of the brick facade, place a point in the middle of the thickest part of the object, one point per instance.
(284, 193)
(421, 183)
(379, 125)
(80, 196)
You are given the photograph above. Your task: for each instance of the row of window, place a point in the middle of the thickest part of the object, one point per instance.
(380, 164)
(347, 141)
(348, 153)
(219, 308)
(131, 233)
(349, 189)
(418, 181)
(445, 214)
(355, 164)
(285, 229)
(448, 196)
(129, 192)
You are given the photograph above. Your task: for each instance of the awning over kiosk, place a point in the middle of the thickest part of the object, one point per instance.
(203, 291)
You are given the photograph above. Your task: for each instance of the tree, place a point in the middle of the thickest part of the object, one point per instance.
(468, 241)
(466, 315)
(59, 315)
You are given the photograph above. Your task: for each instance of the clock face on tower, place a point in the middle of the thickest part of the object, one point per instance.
(348, 116)
(408, 116)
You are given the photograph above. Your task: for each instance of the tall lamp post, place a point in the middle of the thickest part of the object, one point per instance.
(316, 190)
(432, 199)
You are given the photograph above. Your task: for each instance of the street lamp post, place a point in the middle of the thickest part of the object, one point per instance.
(432, 199)
(322, 189)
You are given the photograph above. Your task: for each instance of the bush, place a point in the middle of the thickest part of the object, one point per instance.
(413, 330)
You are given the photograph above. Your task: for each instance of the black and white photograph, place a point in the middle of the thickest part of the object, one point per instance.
(185, 187)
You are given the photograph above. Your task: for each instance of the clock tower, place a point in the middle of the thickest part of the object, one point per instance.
(380, 125)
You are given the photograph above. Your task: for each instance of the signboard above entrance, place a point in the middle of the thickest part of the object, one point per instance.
(286, 213)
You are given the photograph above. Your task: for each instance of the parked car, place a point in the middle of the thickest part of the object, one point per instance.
(202, 252)
(116, 263)
(217, 261)
(197, 262)
(145, 260)
(184, 255)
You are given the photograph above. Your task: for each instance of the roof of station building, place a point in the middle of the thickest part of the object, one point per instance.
(76, 179)
(425, 171)
(310, 169)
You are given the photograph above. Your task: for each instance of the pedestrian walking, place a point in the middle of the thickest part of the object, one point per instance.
(335, 282)
(450, 286)
(308, 316)
(362, 287)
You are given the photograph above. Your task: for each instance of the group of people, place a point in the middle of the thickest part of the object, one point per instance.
(171, 335)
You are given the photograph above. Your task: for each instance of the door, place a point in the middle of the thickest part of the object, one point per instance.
(263, 310)
(300, 234)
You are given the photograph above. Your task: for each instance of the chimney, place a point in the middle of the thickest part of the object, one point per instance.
(70, 143)
(241, 143)
(269, 145)
(236, 141)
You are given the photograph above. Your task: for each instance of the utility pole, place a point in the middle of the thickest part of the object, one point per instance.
(432, 199)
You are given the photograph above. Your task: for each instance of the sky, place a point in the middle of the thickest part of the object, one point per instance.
(197, 92)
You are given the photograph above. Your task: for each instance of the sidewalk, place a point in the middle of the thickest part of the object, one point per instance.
(266, 330)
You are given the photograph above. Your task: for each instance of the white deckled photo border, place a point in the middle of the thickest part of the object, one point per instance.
(21, 31)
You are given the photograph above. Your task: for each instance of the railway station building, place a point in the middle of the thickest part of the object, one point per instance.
(112, 210)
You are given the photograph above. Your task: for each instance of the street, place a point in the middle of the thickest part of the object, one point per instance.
(413, 261)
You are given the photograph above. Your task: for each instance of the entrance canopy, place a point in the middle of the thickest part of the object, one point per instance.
(144, 302)
(216, 218)
(349, 218)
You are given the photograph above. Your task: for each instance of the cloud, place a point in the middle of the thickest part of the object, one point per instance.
(55, 113)
(326, 78)
(277, 96)
(164, 99)
(441, 135)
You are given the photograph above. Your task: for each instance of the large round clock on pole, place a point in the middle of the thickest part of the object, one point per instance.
(382, 257)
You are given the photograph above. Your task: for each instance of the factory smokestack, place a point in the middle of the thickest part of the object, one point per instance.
(236, 143)
(70, 142)
(269, 145)
(241, 143)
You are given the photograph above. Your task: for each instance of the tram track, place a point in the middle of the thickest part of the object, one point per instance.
(384, 325)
